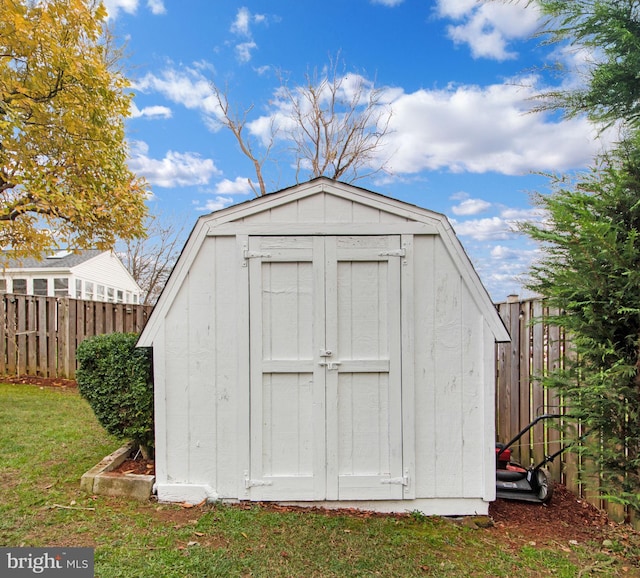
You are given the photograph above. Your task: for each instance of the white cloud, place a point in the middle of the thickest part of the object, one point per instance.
(244, 49)
(240, 186)
(241, 26)
(390, 3)
(481, 129)
(484, 229)
(455, 8)
(488, 27)
(262, 70)
(131, 7)
(534, 214)
(215, 204)
(503, 267)
(505, 253)
(174, 170)
(114, 6)
(457, 128)
(150, 112)
(188, 87)
(241, 23)
(156, 6)
(470, 207)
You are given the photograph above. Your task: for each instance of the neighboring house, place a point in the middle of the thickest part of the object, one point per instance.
(92, 275)
(326, 345)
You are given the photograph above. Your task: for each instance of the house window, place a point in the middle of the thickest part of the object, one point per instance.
(61, 287)
(3, 285)
(135, 298)
(88, 290)
(110, 295)
(120, 295)
(20, 286)
(41, 287)
(78, 289)
(100, 292)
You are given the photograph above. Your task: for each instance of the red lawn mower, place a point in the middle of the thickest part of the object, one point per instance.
(514, 481)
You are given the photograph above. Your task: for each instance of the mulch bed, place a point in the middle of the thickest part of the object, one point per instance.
(566, 517)
(56, 382)
(136, 466)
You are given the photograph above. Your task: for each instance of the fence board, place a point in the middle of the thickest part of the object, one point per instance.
(32, 333)
(21, 333)
(503, 397)
(41, 327)
(554, 402)
(524, 379)
(514, 373)
(39, 335)
(52, 337)
(12, 345)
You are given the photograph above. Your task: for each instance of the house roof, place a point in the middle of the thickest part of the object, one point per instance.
(57, 260)
(229, 221)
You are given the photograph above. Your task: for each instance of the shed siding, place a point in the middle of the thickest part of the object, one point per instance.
(202, 357)
(200, 361)
(449, 377)
(228, 385)
(176, 328)
(322, 208)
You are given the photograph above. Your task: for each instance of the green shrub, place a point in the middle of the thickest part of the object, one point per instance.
(115, 378)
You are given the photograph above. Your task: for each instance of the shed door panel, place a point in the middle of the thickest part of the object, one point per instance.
(369, 411)
(325, 368)
(287, 385)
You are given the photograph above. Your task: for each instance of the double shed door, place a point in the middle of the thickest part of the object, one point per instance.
(325, 357)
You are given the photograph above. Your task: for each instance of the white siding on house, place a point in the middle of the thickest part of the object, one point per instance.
(106, 269)
(93, 279)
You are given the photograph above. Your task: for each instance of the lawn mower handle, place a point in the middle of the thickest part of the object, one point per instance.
(526, 429)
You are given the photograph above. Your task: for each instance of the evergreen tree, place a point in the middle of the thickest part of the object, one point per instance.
(591, 272)
(609, 33)
(590, 267)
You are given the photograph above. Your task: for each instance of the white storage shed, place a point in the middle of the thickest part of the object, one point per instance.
(329, 346)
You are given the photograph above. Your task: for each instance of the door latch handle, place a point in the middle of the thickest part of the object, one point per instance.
(330, 365)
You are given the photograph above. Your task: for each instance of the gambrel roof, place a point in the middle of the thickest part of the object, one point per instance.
(323, 206)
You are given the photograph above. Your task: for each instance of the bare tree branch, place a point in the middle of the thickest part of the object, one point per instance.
(236, 124)
(150, 260)
(335, 123)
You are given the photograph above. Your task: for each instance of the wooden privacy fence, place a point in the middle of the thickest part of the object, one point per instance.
(535, 350)
(39, 335)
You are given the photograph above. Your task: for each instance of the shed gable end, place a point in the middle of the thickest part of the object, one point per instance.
(324, 207)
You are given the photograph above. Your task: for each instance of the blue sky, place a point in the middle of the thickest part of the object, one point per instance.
(458, 76)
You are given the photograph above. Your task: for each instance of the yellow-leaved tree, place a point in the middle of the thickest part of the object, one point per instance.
(64, 179)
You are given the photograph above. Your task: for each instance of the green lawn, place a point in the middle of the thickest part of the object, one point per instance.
(49, 438)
